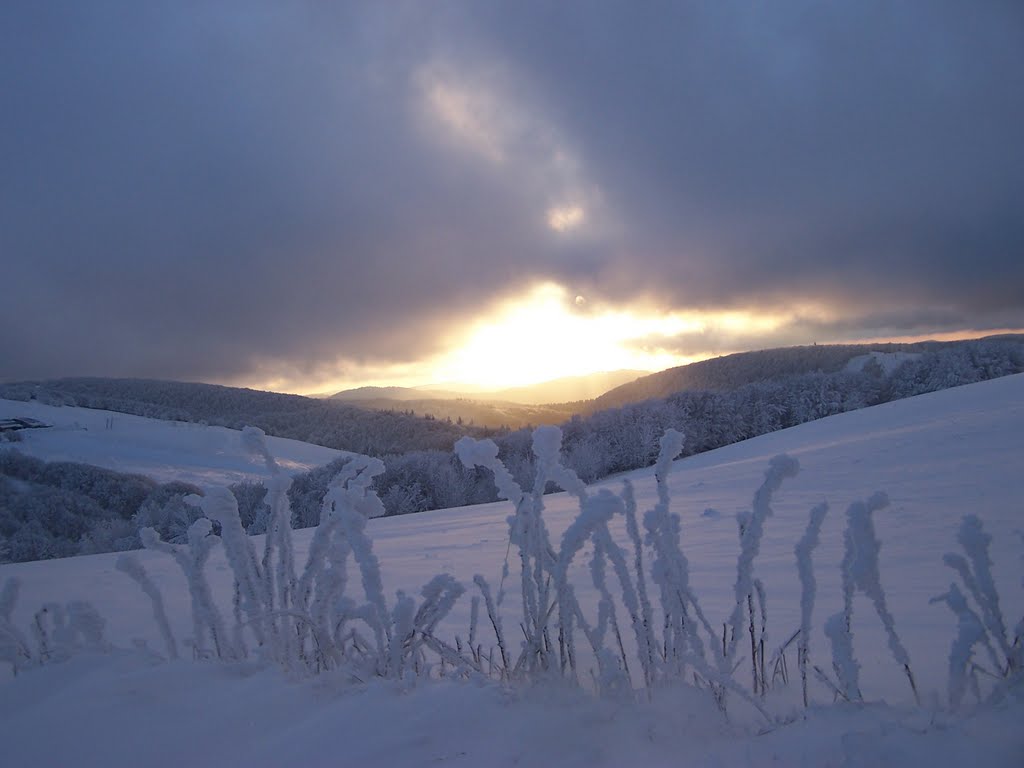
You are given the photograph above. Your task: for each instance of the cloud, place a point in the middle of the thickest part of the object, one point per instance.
(797, 329)
(256, 192)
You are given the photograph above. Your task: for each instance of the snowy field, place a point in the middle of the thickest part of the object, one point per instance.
(161, 450)
(938, 456)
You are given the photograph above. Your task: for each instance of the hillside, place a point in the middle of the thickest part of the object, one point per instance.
(733, 371)
(395, 394)
(550, 402)
(566, 390)
(324, 422)
(159, 449)
(563, 390)
(938, 456)
(475, 413)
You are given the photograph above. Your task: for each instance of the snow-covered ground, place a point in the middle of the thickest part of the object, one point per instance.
(938, 456)
(162, 450)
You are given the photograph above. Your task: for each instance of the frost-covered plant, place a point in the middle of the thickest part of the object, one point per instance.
(548, 596)
(985, 626)
(57, 631)
(306, 621)
(808, 588)
(970, 632)
(536, 555)
(751, 532)
(844, 663)
(191, 558)
(860, 572)
(670, 571)
(130, 565)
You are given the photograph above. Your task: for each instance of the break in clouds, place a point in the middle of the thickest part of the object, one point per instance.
(259, 190)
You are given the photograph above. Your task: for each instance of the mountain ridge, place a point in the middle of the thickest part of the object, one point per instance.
(565, 389)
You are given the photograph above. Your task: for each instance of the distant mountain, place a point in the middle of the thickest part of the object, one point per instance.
(568, 389)
(395, 393)
(564, 390)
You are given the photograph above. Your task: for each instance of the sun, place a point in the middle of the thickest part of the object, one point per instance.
(549, 332)
(546, 334)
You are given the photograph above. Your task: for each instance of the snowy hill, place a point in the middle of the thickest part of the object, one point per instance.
(733, 371)
(938, 456)
(161, 450)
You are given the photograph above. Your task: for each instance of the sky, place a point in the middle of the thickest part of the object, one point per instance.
(307, 196)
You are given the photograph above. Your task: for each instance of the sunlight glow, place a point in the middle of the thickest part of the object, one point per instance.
(565, 218)
(471, 117)
(546, 334)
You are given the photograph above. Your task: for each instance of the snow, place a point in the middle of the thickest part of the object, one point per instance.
(162, 450)
(937, 457)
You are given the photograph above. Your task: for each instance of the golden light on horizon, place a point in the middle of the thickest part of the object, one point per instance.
(544, 335)
(548, 332)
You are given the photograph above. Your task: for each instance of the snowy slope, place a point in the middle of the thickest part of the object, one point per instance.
(162, 450)
(938, 456)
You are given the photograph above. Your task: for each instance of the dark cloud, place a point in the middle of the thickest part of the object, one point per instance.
(214, 190)
(852, 327)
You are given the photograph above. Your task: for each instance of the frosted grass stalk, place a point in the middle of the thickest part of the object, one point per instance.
(605, 604)
(645, 632)
(254, 440)
(191, 558)
(495, 617)
(976, 541)
(130, 565)
(670, 568)
(474, 620)
(595, 512)
(630, 599)
(861, 560)
(847, 670)
(220, 506)
(401, 632)
(547, 443)
(352, 525)
(970, 631)
(528, 534)
(484, 453)
(780, 468)
(439, 597)
(961, 566)
(808, 587)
